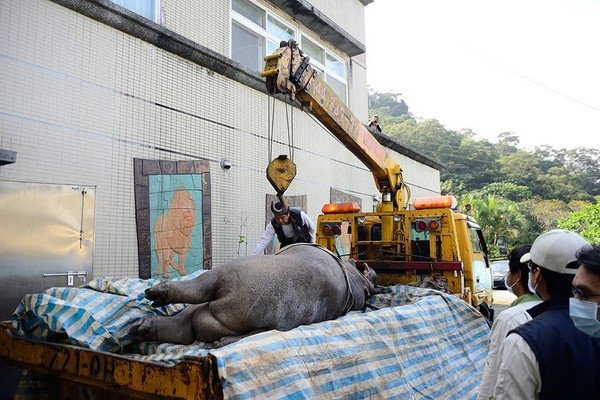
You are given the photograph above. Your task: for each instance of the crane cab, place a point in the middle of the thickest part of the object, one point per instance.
(430, 245)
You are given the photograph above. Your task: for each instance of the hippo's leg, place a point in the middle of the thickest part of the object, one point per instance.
(195, 322)
(163, 329)
(195, 291)
(206, 327)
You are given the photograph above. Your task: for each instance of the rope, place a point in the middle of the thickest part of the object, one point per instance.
(289, 119)
(289, 116)
(349, 295)
(270, 126)
(291, 136)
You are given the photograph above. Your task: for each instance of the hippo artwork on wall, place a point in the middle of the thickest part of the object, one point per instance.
(299, 285)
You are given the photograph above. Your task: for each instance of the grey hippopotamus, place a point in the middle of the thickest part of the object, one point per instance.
(299, 285)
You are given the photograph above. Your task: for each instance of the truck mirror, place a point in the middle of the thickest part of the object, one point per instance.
(503, 245)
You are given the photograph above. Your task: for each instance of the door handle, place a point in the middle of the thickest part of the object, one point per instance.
(82, 275)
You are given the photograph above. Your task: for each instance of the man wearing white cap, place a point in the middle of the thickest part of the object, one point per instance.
(548, 357)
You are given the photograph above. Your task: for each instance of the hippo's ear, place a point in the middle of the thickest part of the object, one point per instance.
(370, 274)
(365, 269)
(362, 267)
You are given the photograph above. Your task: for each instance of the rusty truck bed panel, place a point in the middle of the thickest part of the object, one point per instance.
(193, 378)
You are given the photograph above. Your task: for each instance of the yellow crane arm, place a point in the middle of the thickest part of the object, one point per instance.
(288, 71)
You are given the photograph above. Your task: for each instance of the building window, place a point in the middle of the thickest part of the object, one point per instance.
(146, 8)
(332, 68)
(255, 32)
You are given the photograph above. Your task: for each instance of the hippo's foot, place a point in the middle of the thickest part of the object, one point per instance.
(162, 329)
(159, 295)
(224, 341)
(144, 330)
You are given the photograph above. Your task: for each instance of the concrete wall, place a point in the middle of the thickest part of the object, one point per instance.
(348, 14)
(80, 99)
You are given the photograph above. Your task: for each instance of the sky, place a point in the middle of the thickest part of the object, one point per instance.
(530, 67)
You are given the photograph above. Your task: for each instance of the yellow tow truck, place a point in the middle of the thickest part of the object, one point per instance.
(427, 243)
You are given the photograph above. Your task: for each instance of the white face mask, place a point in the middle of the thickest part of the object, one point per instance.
(583, 314)
(530, 286)
(509, 288)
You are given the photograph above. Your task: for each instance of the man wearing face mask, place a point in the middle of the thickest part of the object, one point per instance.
(584, 307)
(548, 357)
(516, 282)
(517, 277)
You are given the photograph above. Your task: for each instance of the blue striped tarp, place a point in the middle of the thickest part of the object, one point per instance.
(419, 344)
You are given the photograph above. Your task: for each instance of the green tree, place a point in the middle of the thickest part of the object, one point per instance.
(388, 103)
(546, 213)
(508, 190)
(497, 217)
(559, 183)
(508, 143)
(479, 168)
(520, 168)
(586, 164)
(545, 184)
(586, 222)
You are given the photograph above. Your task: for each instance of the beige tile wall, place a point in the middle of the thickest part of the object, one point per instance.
(205, 22)
(79, 100)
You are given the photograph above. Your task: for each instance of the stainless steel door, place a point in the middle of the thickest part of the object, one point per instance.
(46, 238)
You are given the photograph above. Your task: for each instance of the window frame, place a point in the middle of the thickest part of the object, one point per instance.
(299, 35)
(322, 68)
(267, 37)
(156, 10)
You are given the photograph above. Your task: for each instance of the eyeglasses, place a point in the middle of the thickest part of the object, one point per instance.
(580, 294)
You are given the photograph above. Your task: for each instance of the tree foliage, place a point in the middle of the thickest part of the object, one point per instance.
(388, 103)
(511, 191)
(586, 222)
(497, 217)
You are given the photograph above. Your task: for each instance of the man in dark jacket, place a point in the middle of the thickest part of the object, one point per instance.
(548, 357)
(290, 226)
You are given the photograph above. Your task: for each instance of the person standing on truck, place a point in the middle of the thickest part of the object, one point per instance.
(290, 226)
(548, 357)
(584, 307)
(518, 274)
(516, 281)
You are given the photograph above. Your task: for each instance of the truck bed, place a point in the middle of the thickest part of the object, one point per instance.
(419, 343)
(105, 374)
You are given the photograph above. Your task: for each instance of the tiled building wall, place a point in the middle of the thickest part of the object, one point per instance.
(422, 180)
(80, 100)
(205, 22)
(347, 14)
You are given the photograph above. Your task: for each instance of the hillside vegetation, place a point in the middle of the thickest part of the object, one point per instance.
(511, 191)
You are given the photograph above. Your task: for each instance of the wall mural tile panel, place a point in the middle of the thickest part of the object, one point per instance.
(172, 217)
